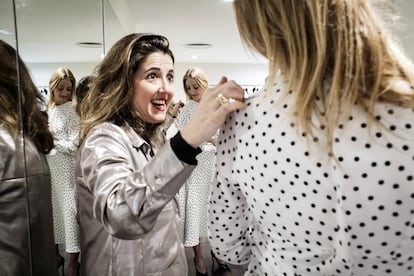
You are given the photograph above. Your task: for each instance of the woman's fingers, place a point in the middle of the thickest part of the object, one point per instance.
(212, 110)
(228, 91)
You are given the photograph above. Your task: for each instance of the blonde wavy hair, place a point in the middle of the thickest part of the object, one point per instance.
(198, 76)
(337, 51)
(58, 75)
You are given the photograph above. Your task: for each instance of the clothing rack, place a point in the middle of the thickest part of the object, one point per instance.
(249, 89)
(45, 95)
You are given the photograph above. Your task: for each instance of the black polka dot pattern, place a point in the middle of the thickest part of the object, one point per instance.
(286, 206)
(193, 195)
(64, 124)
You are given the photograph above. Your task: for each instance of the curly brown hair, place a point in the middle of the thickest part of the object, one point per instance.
(109, 97)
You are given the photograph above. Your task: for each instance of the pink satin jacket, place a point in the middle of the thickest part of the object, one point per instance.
(128, 212)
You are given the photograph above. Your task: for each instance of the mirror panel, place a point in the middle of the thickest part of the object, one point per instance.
(41, 23)
(69, 34)
(7, 23)
(14, 192)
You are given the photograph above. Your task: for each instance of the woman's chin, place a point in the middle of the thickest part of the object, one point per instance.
(159, 118)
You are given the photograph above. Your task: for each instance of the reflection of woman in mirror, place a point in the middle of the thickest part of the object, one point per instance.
(64, 124)
(193, 196)
(26, 228)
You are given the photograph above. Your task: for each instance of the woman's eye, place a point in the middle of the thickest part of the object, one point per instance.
(170, 77)
(152, 76)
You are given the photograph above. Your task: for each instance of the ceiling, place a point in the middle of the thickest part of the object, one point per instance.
(48, 30)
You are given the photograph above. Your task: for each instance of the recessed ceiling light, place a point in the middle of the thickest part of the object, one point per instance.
(5, 32)
(194, 56)
(87, 44)
(198, 45)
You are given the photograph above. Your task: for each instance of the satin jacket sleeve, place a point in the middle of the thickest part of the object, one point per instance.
(129, 189)
(26, 221)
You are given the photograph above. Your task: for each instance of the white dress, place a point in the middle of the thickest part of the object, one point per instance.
(283, 206)
(64, 125)
(193, 195)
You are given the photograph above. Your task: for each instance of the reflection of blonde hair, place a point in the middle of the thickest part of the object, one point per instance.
(339, 43)
(197, 75)
(58, 75)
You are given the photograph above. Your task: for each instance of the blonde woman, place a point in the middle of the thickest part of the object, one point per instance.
(64, 125)
(193, 196)
(315, 175)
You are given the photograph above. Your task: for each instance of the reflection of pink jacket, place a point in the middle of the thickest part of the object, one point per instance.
(26, 222)
(128, 213)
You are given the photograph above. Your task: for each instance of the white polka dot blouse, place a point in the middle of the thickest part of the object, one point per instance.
(285, 206)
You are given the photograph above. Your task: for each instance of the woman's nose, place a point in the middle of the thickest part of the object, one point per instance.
(165, 85)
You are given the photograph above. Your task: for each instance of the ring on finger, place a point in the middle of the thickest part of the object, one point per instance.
(222, 99)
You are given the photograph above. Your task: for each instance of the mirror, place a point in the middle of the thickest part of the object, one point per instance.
(55, 34)
(7, 23)
(86, 29)
(16, 224)
(25, 213)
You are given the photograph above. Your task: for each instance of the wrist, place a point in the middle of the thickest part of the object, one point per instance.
(184, 151)
(189, 137)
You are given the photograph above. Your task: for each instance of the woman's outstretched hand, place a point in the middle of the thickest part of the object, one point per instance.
(212, 110)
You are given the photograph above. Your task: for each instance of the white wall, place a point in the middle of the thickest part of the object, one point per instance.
(244, 74)
(398, 19)
(404, 25)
